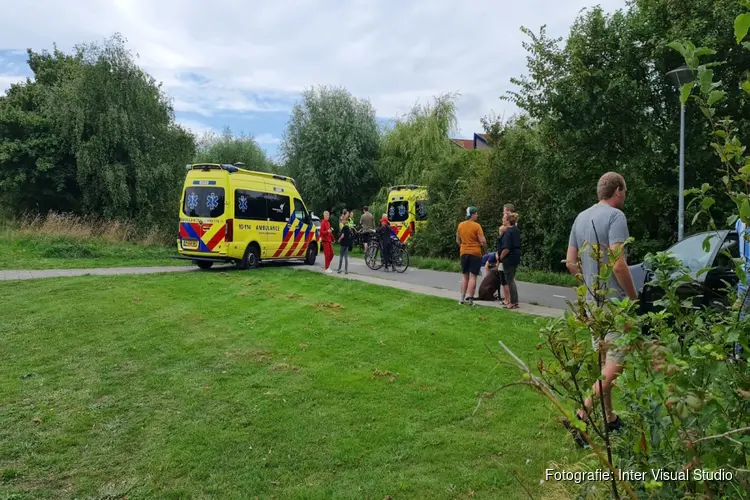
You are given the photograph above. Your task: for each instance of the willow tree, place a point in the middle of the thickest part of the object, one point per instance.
(417, 150)
(330, 147)
(232, 148)
(418, 141)
(91, 134)
(36, 172)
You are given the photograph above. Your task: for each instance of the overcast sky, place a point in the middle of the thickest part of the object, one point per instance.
(244, 63)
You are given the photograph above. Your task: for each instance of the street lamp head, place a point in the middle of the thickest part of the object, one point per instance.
(680, 76)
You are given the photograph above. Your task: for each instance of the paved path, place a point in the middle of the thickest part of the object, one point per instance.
(542, 300)
(528, 293)
(429, 290)
(57, 273)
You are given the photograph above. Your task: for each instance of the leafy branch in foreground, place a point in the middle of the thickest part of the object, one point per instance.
(685, 389)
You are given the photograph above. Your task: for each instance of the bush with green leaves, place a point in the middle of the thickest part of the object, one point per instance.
(684, 393)
(231, 148)
(92, 134)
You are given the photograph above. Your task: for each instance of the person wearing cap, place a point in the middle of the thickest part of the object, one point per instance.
(384, 239)
(472, 244)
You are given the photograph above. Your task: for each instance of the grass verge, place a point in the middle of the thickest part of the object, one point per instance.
(272, 383)
(27, 250)
(64, 241)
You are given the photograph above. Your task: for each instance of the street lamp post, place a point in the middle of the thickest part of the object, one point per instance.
(680, 77)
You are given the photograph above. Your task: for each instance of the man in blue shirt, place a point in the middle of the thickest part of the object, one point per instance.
(489, 260)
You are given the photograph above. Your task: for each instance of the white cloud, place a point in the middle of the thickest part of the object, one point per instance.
(257, 56)
(196, 127)
(7, 80)
(267, 139)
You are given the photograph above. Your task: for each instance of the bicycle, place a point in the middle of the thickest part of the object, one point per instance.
(363, 236)
(399, 256)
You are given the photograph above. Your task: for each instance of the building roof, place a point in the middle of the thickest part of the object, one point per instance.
(471, 143)
(464, 143)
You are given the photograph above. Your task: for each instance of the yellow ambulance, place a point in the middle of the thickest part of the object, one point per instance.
(228, 214)
(407, 210)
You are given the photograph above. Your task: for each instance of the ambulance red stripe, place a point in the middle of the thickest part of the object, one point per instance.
(284, 243)
(307, 244)
(218, 238)
(406, 235)
(296, 242)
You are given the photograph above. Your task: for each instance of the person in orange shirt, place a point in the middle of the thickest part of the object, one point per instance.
(470, 239)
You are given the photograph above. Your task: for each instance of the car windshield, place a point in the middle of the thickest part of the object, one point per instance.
(691, 253)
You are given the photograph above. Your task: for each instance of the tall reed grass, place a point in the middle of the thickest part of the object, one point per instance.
(84, 227)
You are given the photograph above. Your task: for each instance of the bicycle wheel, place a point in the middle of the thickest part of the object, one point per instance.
(401, 260)
(372, 258)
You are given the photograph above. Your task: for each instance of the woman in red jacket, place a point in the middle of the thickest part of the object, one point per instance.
(326, 236)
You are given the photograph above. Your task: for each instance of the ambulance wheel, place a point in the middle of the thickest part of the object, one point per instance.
(251, 258)
(311, 255)
(204, 264)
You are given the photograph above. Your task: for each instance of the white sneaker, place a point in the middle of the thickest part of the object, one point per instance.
(329, 270)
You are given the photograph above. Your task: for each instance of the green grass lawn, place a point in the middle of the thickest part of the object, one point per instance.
(24, 250)
(271, 383)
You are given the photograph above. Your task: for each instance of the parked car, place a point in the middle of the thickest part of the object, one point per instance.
(709, 288)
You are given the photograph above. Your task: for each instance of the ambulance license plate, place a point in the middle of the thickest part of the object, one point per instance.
(190, 244)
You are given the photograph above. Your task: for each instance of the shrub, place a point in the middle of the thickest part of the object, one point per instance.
(685, 392)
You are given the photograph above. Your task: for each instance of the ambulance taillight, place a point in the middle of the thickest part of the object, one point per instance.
(229, 235)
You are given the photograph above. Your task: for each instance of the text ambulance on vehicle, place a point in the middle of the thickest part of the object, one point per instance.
(407, 210)
(228, 214)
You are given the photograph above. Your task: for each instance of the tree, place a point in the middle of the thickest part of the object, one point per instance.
(417, 141)
(230, 148)
(330, 147)
(37, 174)
(602, 102)
(129, 152)
(514, 174)
(685, 385)
(417, 150)
(95, 134)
